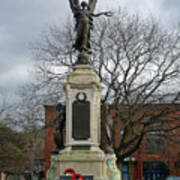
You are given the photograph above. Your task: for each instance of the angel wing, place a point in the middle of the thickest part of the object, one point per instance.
(92, 5)
(74, 4)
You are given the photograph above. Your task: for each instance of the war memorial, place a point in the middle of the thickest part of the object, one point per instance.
(81, 157)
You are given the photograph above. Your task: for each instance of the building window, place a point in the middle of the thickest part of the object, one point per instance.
(155, 170)
(154, 144)
(125, 171)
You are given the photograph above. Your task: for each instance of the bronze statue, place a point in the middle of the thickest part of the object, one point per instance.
(59, 128)
(83, 15)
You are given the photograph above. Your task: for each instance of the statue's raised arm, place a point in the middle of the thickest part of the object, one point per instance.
(74, 4)
(92, 5)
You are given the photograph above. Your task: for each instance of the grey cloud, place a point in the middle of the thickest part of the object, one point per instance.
(165, 11)
(20, 23)
(171, 11)
(23, 20)
(12, 78)
(167, 4)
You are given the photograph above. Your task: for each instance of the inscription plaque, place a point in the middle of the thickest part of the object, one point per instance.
(69, 178)
(81, 119)
(80, 147)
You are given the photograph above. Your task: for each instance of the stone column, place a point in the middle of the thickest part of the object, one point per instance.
(83, 85)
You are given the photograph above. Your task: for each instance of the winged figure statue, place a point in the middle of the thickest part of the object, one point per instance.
(83, 14)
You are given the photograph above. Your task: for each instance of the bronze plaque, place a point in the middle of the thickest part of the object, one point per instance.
(81, 120)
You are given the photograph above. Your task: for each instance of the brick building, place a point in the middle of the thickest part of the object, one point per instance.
(155, 159)
(50, 115)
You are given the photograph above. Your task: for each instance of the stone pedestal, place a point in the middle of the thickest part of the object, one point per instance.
(82, 152)
(83, 83)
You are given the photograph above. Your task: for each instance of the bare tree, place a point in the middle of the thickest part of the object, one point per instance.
(138, 62)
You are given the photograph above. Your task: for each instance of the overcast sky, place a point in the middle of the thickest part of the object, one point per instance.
(22, 21)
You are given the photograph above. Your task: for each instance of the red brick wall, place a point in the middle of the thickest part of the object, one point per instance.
(50, 115)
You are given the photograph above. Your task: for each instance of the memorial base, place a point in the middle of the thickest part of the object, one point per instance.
(93, 165)
(84, 162)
